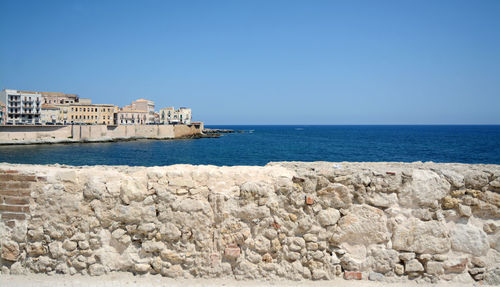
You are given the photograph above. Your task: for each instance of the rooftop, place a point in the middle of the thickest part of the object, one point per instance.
(49, 107)
(49, 93)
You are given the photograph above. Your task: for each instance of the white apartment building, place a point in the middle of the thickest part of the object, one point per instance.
(172, 116)
(2, 113)
(21, 107)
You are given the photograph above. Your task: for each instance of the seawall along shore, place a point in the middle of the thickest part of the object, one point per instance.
(388, 222)
(11, 135)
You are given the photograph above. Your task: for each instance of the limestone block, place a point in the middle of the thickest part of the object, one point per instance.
(142, 268)
(475, 179)
(133, 190)
(134, 213)
(328, 217)
(10, 250)
(319, 274)
(56, 249)
(379, 199)
(419, 236)
(171, 256)
(424, 189)
(363, 224)
(374, 276)
(336, 195)
(170, 232)
(434, 268)
(413, 266)
(190, 205)
(153, 246)
(464, 210)
(36, 249)
(69, 245)
(454, 178)
(469, 239)
(174, 271)
(17, 269)
(19, 231)
(262, 244)
(251, 211)
(383, 260)
(492, 277)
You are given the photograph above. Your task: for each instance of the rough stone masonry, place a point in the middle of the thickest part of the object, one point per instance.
(301, 221)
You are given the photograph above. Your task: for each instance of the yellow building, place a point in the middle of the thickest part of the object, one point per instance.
(92, 114)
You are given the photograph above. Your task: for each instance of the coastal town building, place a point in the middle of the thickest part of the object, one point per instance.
(2, 113)
(131, 117)
(142, 105)
(58, 98)
(53, 108)
(172, 116)
(50, 114)
(21, 107)
(92, 114)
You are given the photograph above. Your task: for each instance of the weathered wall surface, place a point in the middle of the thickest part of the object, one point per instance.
(29, 133)
(383, 221)
(76, 133)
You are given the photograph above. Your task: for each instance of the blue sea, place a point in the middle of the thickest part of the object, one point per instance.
(262, 144)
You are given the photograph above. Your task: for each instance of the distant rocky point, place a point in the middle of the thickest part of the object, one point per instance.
(221, 131)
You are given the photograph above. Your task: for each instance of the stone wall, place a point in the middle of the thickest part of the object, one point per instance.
(12, 134)
(79, 133)
(380, 221)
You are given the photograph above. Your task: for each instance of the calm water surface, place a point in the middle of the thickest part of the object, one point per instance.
(262, 144)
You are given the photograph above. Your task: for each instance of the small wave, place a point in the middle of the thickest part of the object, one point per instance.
(299, 129)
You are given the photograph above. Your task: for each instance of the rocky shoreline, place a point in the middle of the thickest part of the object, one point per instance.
(387, 222)
(221, 131)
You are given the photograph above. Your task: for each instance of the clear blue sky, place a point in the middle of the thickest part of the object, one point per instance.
(265, 62)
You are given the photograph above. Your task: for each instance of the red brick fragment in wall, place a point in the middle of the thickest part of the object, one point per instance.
(232, 252)
(391, 173)
(14, 208)
(353, 275)
(16, 192)
(14, 200)
(14, 185)
(17, 177)
(309, 200)
(458, 268)
(13, 216)
(7, 171)
(215, 259)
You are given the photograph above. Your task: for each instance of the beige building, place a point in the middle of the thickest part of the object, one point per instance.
(91, 114)
(58, 98)
(172, 116)
(142, 105)
(50, 114)
(131, 117)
